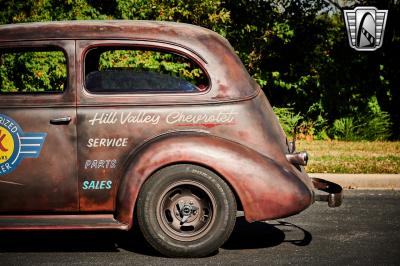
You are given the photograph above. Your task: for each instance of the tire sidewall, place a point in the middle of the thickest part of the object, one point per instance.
(224, 211)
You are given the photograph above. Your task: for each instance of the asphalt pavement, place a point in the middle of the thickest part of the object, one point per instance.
(365, 230)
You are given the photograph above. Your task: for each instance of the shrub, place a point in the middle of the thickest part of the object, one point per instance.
(313, 129)
(288, 119)
(344, 129)
(375, 126)
(371, 126)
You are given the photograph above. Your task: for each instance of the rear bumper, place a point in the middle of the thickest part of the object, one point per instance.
(333, 192)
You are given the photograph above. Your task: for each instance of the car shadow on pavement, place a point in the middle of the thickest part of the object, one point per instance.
(58, 241)
(245, 236)
(74, 241)
(265, 234)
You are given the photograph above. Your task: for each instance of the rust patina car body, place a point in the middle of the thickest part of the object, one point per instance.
(98, 150)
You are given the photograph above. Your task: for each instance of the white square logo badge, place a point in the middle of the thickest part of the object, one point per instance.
(365, 27)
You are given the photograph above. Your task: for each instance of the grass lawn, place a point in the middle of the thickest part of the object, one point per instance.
(351, 157)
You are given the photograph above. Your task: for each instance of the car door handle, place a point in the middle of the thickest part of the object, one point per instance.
(60, 120)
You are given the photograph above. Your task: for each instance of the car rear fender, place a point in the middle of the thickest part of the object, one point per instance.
(266, 190)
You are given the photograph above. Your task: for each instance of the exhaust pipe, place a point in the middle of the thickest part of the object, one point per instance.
(298, 158)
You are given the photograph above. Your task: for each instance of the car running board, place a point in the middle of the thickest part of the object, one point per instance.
(60, 222)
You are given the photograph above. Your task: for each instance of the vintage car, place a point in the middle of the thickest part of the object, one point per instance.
(105, 122)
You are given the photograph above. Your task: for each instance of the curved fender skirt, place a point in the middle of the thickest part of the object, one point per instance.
(266, 189)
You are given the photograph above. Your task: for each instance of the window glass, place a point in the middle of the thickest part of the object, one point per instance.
(109, 70)
(32, 71)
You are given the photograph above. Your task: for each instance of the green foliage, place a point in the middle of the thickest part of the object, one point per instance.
(206, 13)
(141, 60)
(374, 125)
(292, 122)
(344, 129)
(313, 129)
(321, 128)
(49, 10)
(296, 50)
(288, 119)
(32, 71)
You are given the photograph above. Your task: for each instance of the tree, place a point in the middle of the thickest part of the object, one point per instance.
(296, 50)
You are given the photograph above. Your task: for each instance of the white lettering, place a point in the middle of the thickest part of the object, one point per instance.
(104, 118)
(106, 142)
(139, 118)
(8, 124)
(184, 118)
(5, 167)
(178, 117)
(90, 143)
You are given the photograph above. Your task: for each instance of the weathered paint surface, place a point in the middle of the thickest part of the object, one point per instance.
(98, 161)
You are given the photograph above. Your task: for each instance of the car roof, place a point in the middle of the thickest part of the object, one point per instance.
(89, 29)
(224, 67)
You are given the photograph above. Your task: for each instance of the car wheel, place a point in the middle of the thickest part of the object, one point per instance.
(186, 211)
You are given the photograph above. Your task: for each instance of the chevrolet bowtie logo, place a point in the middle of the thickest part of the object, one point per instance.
(365, 27)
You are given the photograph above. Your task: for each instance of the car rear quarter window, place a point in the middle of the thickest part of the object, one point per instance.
(112, 70)
(32, 71)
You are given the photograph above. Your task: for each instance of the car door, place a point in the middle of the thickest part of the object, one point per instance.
(38, 127)
(121, 105)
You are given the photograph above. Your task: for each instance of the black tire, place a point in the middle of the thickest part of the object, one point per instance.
(186, 211)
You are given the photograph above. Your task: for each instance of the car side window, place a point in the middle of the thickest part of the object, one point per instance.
(131, 70)
(32, 71)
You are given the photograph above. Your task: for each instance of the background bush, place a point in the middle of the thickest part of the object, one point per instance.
(32, 71)
(297, 51)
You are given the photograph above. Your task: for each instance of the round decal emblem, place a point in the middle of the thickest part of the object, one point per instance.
(6, 145)
(16, 145)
